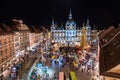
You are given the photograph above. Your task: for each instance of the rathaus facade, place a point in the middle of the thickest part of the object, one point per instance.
(70, 33)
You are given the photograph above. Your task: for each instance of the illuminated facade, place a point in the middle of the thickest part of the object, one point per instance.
(6, 46)
(34, 37)
(70, 33)
(16, 40)
(21, 31)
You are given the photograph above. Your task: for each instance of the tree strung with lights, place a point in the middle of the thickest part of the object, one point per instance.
(83, 41)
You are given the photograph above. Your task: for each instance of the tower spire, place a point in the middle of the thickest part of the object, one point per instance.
(83, 24)
(70, 15)
(87, 21)
(53, 21)
(61, 24)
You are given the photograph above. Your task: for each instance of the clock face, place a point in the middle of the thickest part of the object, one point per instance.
(70, 27)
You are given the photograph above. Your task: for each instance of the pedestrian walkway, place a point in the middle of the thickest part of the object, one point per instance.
(83, 75)
(27, 75)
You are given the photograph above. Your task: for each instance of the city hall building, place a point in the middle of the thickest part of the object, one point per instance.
(70, 33)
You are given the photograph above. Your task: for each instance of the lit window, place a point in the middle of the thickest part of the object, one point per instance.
(1, 52)
(0, 44)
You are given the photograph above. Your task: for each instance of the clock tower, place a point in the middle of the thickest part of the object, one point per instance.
(70, 27)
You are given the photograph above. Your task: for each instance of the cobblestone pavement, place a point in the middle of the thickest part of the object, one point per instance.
(55, 68)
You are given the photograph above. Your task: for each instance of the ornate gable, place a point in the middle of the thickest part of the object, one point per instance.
(24, 27)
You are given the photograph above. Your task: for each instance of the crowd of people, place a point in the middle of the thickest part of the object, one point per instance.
(84, 63)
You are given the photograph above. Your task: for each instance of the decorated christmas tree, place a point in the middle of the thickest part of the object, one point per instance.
(83, 41)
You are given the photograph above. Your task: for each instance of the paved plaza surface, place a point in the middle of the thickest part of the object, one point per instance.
(54, 68)
(58, 67)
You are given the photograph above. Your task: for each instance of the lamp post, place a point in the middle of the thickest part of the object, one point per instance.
(46, 45)
(41, 47)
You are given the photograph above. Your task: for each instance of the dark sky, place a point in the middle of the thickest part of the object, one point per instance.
(41, 12)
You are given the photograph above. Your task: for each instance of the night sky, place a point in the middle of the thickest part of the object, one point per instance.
(40, 12)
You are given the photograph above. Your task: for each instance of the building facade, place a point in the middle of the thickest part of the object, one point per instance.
(22, 33)
(18, 40)
(34, 37)
(109, 53)
(70, 33)
(6, 46)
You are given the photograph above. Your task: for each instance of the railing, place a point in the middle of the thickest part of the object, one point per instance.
(111, 39)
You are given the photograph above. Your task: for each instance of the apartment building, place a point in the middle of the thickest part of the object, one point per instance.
(6, 46)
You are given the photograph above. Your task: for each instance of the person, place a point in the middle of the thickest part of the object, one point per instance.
(55, 76)
(1, 77)
(62, 61)
(18, 78)
(16, 73)
(55, 61)
(47, 75)
(9, 75)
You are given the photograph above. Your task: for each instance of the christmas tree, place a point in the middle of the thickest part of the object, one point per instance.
(83, 41)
